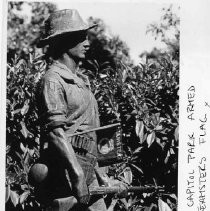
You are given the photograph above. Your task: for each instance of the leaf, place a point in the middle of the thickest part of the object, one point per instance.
(151, 207)
(25, 108)
(31, 152)
(30, 58)
(19, 155)
(94, 63)
(21, 62)
(8, 102)
(24, 196)
(160, 144)
(159, 127)
(112, 205)
(151, 64)
(7, 193)
(128, 176)
(172, 151)
(26, 157)
(154, 120)
(23, 148)
(124, 75)
(137, 150)
(24, 130)
(176, 134)
(150, 138)
(24, 187)
(8, 148)
(128, 116)
(16, 111)
(173, 196)
(124, 202)
(14, 197)
(167, 157)
(137, 127)
(140, 130)
(137, 168)
(130, 87)
(102, 75)
(163, 206)
(157, 115)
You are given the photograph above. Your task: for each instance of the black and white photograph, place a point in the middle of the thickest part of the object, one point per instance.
(92, 108)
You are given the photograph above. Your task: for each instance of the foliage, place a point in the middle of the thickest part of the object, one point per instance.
(143, 98)
(168, 31)
(22, 130)
(106, 50)
(23, 30)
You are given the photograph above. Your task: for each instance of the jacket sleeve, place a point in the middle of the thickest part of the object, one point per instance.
(53, 105)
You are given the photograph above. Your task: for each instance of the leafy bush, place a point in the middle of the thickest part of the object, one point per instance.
(22, 130)
(24, 69)
(145, 100)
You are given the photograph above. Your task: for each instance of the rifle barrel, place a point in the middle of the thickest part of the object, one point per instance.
(112, 190)
(94, 129)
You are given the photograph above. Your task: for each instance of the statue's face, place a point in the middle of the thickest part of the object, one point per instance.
(79, 47)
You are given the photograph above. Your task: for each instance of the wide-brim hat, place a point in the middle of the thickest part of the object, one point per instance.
(62, 22)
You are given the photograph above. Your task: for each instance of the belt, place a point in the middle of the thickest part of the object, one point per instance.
(79, 143)
(83, 143)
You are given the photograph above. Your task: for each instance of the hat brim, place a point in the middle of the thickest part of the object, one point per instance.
(45, 41)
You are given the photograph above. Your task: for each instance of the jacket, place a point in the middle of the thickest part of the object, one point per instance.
(66, 101)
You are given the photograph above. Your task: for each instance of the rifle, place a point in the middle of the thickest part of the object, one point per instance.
(65, 204)
(115, 189)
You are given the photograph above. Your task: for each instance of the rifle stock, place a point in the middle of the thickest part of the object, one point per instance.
(64, 204)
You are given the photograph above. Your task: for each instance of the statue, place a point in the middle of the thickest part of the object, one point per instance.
(68, 163)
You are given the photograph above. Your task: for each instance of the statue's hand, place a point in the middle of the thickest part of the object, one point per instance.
(122, 188)
(82, 193)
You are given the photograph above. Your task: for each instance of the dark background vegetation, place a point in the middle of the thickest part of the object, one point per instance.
(144, 98)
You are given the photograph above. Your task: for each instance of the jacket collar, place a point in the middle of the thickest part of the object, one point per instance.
(67, 74)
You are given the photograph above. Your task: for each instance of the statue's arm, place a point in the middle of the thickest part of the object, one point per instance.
(54, 112)
(65, 151)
